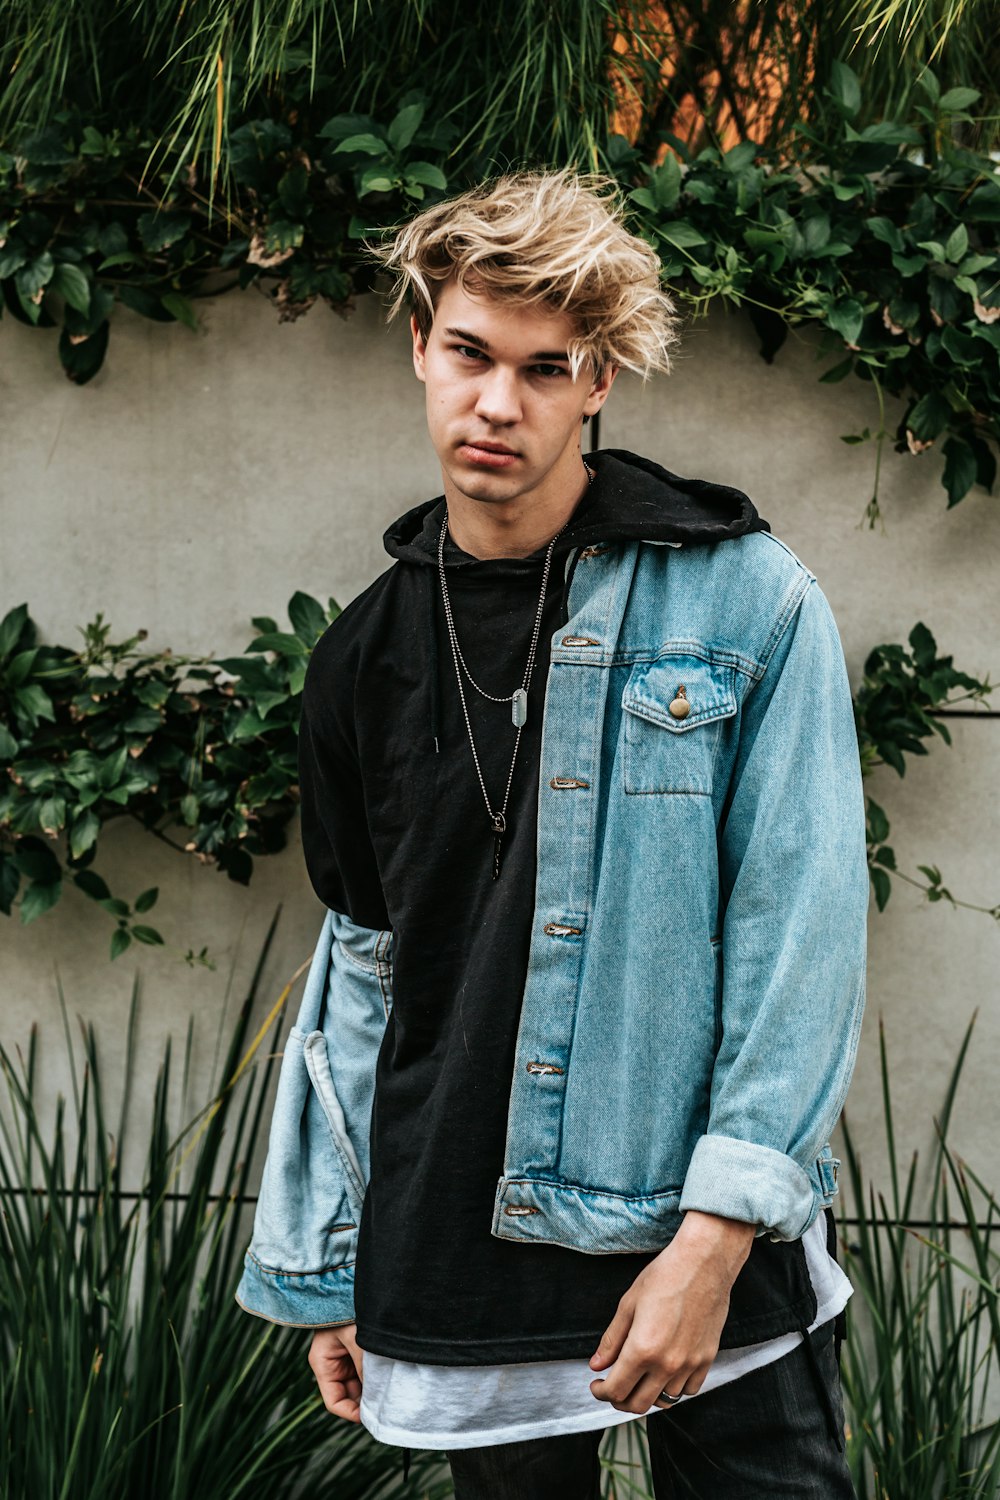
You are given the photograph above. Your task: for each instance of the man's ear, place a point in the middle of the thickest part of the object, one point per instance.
(419, 347)
(601, 389)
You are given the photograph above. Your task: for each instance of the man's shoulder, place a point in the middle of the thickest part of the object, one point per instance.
(337, 654)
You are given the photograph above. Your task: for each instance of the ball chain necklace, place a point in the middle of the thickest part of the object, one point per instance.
(518, 699)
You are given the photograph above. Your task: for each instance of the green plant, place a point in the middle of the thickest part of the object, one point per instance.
(920, 1367)
(127, 1366)
(897, 708)
(201, 754)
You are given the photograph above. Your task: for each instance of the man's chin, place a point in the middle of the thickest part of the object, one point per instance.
(490, 486)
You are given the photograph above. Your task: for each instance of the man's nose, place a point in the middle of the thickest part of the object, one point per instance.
(499, 402)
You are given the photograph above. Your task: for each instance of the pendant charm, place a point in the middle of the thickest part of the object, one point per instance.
(519, 708)
(499, 828)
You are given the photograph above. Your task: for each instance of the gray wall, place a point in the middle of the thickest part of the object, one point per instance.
(201, 479)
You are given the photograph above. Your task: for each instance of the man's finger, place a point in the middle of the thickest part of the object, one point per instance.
(612, 1339)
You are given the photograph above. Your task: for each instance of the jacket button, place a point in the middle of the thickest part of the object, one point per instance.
(579, 640)
(680, 707)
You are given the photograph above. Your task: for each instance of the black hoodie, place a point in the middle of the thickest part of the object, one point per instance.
(396, 834)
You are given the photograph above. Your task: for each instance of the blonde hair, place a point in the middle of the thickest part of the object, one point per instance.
(554, 238)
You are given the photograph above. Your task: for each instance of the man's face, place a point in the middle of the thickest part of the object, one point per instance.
(503, 413)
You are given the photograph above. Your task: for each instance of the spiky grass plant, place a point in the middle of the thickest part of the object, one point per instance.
(126, 1366)
(920, 1369)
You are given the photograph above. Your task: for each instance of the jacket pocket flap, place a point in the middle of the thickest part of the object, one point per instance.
(708, 687)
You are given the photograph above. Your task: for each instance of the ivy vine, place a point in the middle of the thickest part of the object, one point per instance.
(885, 238)
(202, 754)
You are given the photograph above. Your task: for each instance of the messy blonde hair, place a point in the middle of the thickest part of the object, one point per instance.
(554, 238)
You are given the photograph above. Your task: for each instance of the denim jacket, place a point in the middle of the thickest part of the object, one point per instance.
(696, 973)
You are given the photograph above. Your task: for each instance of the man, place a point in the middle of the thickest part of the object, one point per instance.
(581, 793)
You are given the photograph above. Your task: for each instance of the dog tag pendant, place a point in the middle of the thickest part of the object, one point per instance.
(519, 708)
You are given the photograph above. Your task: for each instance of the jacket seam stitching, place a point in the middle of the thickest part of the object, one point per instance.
(315, 1271)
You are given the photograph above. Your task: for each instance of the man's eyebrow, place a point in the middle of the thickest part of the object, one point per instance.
(481, 343)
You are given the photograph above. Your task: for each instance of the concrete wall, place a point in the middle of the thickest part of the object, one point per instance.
(201, 479)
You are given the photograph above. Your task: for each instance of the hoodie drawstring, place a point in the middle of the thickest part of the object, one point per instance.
(435, 665)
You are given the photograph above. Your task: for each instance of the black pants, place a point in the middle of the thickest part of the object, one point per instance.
(777, 1432)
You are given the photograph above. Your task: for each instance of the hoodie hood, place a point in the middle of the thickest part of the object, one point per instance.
(631, 499)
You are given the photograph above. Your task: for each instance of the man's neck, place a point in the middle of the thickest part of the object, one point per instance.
(519, 527)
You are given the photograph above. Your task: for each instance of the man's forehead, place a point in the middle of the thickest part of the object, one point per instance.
(502, 324)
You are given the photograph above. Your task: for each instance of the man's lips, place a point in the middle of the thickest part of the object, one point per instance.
(489, 455)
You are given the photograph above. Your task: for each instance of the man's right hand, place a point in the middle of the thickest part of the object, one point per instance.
(336, 1360)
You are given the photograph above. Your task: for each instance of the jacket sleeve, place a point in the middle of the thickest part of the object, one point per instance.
(299, 1268)
(794, 893)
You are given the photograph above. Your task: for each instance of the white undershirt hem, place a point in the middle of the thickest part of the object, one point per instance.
(473, 1406)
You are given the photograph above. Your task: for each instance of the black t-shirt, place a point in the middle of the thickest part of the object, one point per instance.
(396, 833)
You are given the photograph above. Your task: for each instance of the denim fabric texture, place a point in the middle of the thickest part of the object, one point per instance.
(696, 975)
(778, 1432)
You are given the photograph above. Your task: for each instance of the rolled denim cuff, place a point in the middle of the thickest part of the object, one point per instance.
(314, 1299)
(755, 1184)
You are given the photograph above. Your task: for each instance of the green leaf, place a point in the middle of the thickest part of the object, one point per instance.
(279, 640)
(71, 283)
(181, 308)
(115, 906)
(307, 617)
(957, 99)
(8, 744)
(885, 230)
(838, 372)
(52, 815)
(928, 82)
(929, 416)
(681, 234)
(959, 469)
(427, 173)
(882, 885)
(846, 317)
(33, 703)
(369, 144)
(845, 89)
(82, 359)
(374, 181)
(159, 229)
(10, 880)
(30, 279)
(110, 769)
(120, 940)
(11, 626)
(405, 126)
(957, 243)
(36, 861)
(92, 885)
(878, 823)
(39, 898)
(147, 900)
(146, 935)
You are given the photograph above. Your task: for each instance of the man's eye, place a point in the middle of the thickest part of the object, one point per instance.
(468, 352)
(549, 370)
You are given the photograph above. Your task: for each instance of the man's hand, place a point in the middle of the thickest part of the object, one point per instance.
(666, 1331)
(336, 1359)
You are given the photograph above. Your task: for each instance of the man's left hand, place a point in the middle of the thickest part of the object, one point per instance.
(666, 1331)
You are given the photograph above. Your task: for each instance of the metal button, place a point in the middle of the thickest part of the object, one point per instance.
(680, 707)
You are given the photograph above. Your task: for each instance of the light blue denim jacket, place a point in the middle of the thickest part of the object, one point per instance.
(696, 973)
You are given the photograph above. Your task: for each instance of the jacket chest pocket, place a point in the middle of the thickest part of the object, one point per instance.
(674, 708)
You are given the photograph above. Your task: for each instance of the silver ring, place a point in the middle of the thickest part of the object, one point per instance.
(666, 1396)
